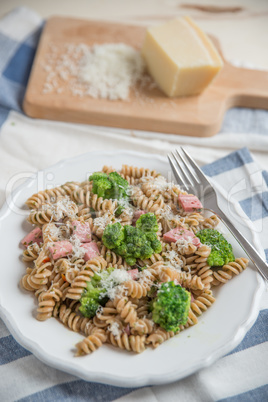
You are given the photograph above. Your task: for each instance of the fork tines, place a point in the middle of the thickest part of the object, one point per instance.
(186, 171)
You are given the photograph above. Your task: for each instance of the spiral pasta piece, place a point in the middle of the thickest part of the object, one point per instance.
(80, 280)
(25, 282)
(46, 303)
(51, 195)
(149, 204)
(71, 319)
(110, 257)
(210, 222)
(31, 253)
(134, 343)
(181, 249)
(142, 308)
(203, 270)
(126, 309)
(84, 212)
(136, 172)
(167, 274)
(136, 289)
(82, 196)
(191, 282)
(142, 326)
(79, 284)
(65, 265)
(91, 343)
(108, 169)
(199, 305)
(193, 218)
(99, 204)
(151, 260)
(102, 318)
(159, 336)
(229, 270)
(39, 218)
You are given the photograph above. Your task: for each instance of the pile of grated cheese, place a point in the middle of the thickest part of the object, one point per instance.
(110, 70)
(106, 71)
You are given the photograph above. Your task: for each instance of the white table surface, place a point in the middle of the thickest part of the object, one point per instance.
(243, 32)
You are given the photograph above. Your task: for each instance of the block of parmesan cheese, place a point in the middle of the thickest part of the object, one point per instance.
(180, 57)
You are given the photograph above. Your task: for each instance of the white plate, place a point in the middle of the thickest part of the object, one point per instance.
(219, 330)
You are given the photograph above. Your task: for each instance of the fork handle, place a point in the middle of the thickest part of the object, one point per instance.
(251, 252)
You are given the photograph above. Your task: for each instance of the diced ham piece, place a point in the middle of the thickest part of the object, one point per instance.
(82, 231)
(35, 236)
(60, 249)
(127, 330)
(136, 216)
(91, 250)
(180, 233)
(189, 203)
(133, 273)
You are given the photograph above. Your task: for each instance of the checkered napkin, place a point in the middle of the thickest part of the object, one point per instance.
(239, 376)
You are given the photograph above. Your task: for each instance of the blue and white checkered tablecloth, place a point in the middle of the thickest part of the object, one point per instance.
(241, 375)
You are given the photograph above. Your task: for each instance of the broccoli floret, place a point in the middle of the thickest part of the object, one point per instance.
(113, 235)
(100, 183)
(131, 242)
(147, 223)
(170, 307)
(94, 295)
(97, 176)
(221, 250)
(155, 243)
(88, 307)
(135, 245)
(109, 186)
(91, 299)
(146, 250)
(101, 187)
(130, 261)
(119, 186)
(119, 211)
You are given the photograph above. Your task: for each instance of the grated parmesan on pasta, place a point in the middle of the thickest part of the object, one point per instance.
(111, 284)
(114, 329)
(62, 207)
(78, 251)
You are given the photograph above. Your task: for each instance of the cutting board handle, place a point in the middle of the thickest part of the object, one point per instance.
(247, 88)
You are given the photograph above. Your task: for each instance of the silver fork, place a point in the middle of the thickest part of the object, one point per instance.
(193, 178)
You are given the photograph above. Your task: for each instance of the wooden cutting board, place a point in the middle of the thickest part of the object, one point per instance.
(147, 109)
